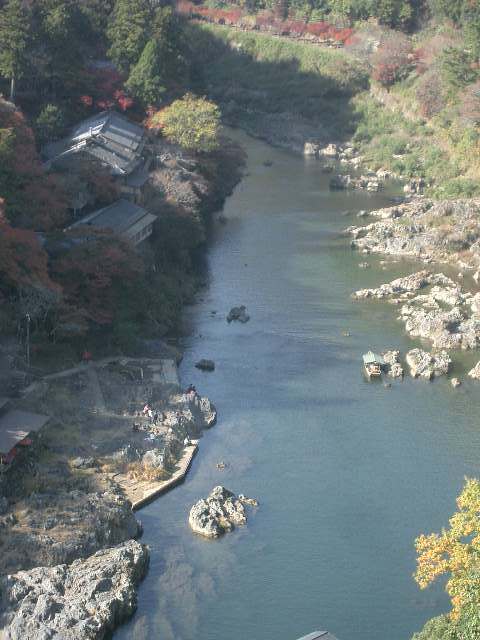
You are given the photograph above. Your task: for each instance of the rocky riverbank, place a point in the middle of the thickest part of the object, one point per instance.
(81, 601)
(68, 495)
(444, 310)
(446, 231)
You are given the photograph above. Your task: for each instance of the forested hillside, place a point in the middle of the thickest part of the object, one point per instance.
(61, 62)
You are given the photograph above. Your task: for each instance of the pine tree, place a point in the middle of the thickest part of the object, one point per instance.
(14, 31)
(146, 78)
(129, 32)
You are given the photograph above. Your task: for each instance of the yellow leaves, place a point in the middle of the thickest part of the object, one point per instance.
(192, 123)
(456, 551)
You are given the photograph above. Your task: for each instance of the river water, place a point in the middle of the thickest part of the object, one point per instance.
(347, 472)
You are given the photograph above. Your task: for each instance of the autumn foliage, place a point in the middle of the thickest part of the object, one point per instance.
(34, 199)
(456, 553)
(393, 60)
(268, 21)
(95, 272)
(23, 263)
(106, 90)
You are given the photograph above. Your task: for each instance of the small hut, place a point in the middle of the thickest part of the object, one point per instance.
(373, 364)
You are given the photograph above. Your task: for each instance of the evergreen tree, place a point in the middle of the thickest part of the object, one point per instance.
(60, 34)
(97, 13)
(129, 32)
(146, 78)
(14, 31)
(162, 65)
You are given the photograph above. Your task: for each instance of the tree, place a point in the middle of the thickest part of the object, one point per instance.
(34, 199)
(97, 274)
(50, 124)
(97, 13)
(457, 67)
(60, 50)
(23, 262)
(146, 78)
(129, 32)
(456, 553)
(393, 60)
(14, 32)
(193, 123)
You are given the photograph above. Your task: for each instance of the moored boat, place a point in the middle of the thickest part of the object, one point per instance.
(373, 364)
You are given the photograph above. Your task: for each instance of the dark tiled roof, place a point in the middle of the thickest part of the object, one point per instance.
(119, 216)
(109, 137)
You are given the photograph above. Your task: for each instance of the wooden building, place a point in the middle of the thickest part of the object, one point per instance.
(124, 218)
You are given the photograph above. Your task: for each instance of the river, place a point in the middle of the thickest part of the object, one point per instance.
(347, 472)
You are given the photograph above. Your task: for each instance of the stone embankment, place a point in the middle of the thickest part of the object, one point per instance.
(82, 601)
(220, 512)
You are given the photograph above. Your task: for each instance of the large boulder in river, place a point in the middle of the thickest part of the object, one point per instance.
(392, 363)
(310, 149)
(428, 365)
(339, 182)
(218, 513)
(239, 314)
(330, 151)
(205, 365)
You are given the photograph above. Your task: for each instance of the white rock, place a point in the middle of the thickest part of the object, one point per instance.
(475, 372)
(427, 365)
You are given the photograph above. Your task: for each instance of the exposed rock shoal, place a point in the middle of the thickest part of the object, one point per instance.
(428, 365)
(81, 601)
(392, 363)
(443, 313)
(444, 231)
(220, 512)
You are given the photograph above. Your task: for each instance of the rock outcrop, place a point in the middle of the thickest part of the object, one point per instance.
(218, 513)
(392, 363)
(239, 314)
(205, 365)
(82, 601)
(444, 231)
(57, 528)
(445, 314)
(428, 365)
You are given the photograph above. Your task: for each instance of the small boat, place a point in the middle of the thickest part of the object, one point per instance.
(373, 364)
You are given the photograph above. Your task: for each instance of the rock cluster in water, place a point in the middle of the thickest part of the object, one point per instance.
(445, 314)
(392, 363)
(218, 513)
(444, 231)
(81, 601)
(428, 365)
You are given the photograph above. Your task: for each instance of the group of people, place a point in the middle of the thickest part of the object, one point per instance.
(155, 418)
(191, 389)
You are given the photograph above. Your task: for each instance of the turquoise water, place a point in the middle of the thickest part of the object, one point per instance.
(347, 472)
